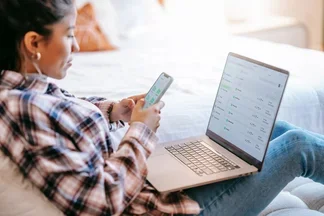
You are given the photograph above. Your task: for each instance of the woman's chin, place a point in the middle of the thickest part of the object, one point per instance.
(60, 75)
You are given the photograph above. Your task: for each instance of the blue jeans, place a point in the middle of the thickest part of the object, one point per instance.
(292, 152)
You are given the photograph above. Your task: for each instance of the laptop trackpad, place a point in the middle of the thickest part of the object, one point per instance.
(166, 171)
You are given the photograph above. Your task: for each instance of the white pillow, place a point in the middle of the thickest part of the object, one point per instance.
(106, 17)
(136, 16)
(18, 197)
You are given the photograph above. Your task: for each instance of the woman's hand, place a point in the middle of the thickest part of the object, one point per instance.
(150, 116)
(123, 110)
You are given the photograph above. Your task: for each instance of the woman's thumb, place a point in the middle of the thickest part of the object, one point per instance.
(124, 102)
(140, 103)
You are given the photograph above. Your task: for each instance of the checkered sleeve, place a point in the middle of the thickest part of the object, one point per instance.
(103, 104)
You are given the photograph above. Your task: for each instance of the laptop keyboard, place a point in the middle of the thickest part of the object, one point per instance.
(201, 159)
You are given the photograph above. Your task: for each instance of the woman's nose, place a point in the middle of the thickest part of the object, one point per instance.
(75, 46)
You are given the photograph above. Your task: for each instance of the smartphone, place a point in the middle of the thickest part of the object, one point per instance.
(156, 92)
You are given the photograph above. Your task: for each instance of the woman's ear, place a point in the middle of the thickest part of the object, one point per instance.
(32, 41)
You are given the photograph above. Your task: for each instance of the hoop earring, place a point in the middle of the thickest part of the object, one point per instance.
(37, 56)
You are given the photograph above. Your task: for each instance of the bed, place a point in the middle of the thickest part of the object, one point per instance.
(197, 70)
(197, 66)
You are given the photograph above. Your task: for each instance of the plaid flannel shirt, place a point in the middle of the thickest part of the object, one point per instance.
(64, 148)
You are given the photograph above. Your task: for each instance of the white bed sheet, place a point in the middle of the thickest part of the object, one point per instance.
(196, 64)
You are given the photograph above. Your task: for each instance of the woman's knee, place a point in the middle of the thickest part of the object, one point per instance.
(292, 142)
(283, 125)
(296, 135)
(280, 128)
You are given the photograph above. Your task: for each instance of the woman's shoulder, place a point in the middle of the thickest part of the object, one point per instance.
(27, 96)
(29, 103)
(20, 102)
(44, 116)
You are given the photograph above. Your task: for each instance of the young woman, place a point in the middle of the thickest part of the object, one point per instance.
(62, 143)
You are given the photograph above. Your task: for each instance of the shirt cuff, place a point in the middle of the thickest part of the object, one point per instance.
(145, 136)
(113, 126)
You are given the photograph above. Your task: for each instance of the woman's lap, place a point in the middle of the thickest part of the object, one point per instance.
(286, 158)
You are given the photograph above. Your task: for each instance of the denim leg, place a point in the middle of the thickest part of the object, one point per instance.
(294, 153)
(282, 127)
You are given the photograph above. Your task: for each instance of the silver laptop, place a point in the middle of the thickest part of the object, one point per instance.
(238, 132)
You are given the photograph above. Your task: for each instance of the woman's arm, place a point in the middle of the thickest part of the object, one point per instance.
(105, 107)
(64, 151)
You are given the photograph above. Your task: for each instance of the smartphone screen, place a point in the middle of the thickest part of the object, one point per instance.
(158, 89)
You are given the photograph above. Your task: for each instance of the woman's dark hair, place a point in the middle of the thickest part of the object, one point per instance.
(17, 17)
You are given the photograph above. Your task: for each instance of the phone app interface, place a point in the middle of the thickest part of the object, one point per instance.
(157, 89)
(246, 105)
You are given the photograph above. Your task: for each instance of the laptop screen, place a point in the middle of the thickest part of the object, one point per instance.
(246, 105)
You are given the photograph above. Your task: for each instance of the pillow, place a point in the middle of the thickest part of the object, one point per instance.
(106, 18)
(88, 32)
(136, 16)
(161, 2)
(18, 196)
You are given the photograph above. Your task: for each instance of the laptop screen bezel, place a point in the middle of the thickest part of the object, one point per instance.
(228, 145)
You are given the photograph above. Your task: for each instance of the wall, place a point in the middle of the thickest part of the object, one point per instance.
(310, 12)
